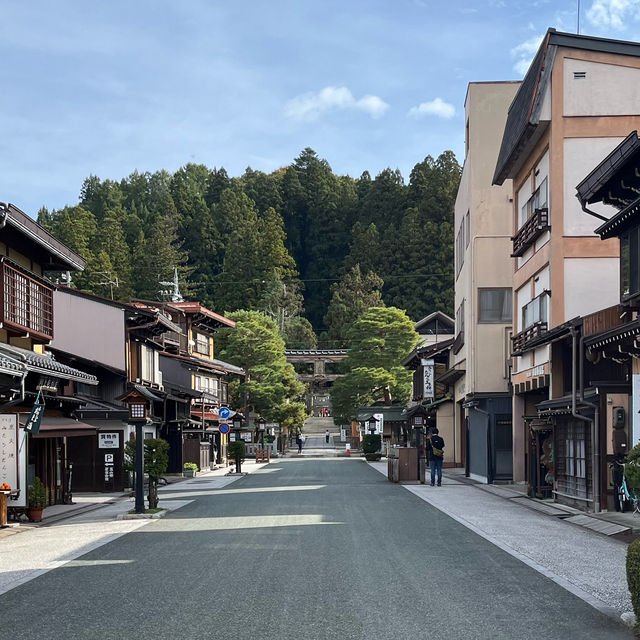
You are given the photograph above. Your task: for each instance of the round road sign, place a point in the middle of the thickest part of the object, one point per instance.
(224, 428)
(224, 412)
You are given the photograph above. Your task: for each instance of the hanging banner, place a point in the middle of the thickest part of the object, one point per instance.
(428, 390)
(32, 424)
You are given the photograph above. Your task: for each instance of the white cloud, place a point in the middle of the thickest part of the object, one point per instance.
(436, 107)
(613, 13)
(310, 106)
(524, 53)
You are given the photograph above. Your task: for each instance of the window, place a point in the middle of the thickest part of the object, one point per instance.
(535, 311)
(494, 305)
(537, 201)
(147, 363)
(467, 224)
(460, 247)
(630, 263)
(202, 344)
(575, 452)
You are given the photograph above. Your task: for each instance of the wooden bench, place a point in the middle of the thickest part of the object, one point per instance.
(263, 455)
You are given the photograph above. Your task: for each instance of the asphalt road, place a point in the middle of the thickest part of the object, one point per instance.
(304, 548)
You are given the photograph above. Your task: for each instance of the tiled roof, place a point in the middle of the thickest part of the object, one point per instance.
(46, 364)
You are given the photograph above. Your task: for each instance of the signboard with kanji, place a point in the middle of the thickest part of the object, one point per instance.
(13, 459)
(109, 440)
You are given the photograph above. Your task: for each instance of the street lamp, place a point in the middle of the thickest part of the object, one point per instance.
(237, 425)
(373, 423)
(417, 422)
(261, 427)
(138, 416)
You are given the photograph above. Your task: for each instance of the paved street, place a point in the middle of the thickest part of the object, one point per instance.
(301, 548)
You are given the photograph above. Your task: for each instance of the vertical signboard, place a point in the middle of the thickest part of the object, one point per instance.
(13, 458)
(428, 389)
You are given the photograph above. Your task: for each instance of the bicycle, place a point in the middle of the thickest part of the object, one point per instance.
(624, 495)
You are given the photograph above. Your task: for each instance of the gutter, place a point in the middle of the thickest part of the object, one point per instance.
(595, 423)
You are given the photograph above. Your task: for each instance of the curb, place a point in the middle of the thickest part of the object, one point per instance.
(142, 516)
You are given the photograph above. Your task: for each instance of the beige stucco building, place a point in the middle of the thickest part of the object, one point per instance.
(579, 99)
(479, 373)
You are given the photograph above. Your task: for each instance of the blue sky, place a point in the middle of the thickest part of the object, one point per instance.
(106, 88)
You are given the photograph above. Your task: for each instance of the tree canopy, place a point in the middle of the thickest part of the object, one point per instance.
(380, 339)
(270, 387)
(273, 242)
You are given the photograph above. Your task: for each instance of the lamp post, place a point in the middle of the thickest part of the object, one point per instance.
(138, 416)
(237, 425)
(417, 423)
(261, 427)
(373, 423)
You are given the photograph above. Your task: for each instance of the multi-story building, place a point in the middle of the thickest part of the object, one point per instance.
(576, 103)
(478, 372)
(29, 375)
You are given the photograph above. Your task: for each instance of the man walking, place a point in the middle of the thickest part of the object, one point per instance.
(435, 449)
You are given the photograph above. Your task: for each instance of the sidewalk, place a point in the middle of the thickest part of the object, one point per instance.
(71, 531)
(551, 540)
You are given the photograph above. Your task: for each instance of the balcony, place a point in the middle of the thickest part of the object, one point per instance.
(27, 303)
(520, 340)
(530, 231)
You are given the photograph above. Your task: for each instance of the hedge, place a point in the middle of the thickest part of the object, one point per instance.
(633, 575)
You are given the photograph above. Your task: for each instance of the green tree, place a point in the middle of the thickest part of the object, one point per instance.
(298, 334)
(156, 461)
(380, 340)
(256, 345)
(351, 297)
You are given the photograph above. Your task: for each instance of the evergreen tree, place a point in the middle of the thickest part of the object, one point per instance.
(351, 297)
(380, 339)
(270, 382)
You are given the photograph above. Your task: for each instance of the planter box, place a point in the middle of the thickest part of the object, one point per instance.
(189, 473)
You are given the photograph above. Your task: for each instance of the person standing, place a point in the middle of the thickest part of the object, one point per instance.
(435, 449)
(326, 436)
(299, 443)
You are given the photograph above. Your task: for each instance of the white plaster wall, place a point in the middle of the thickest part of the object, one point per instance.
(591, 96)
(541, 281)
(581, 156)
(591, 284)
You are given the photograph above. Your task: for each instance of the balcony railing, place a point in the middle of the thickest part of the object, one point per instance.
(530, 231)
(27, 303)
(520, 340)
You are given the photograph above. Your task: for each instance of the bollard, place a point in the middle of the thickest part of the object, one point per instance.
(348, 448)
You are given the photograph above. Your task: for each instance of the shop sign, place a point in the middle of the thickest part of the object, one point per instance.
(109, 440)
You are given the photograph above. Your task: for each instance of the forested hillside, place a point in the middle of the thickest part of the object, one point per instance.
(308, 247)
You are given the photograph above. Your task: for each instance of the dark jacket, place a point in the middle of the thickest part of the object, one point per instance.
(437, 442)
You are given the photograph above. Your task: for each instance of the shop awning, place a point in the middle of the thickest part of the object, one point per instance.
(54, 427)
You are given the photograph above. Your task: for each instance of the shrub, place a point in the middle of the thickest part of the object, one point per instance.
(632, 469)
(190, 466)
(236, 450)
(371, 443)
(633, 575)
(37, 494)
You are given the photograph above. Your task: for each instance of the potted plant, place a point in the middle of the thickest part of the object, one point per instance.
(189, 469)
(36, 500)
